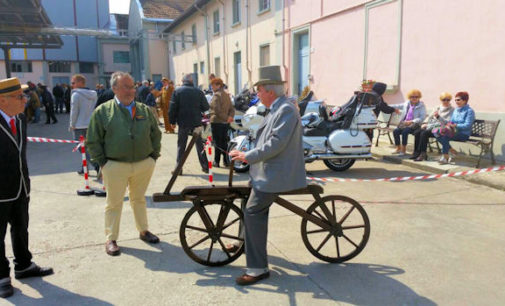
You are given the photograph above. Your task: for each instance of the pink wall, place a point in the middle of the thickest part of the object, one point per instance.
(445, 46)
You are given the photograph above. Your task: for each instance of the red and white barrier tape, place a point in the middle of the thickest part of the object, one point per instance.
(208, 152)
(40, 139)
(410, 178)
(84, 163)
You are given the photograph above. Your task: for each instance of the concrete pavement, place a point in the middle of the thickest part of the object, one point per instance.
(432, 242)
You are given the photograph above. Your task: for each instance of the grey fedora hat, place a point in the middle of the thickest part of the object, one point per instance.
(270, 75)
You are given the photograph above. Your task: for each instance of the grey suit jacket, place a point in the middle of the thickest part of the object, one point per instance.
(277, 162)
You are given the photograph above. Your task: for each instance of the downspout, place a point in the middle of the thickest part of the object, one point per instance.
(225, 66)
(247, 28)
(206, 35)
(283, 56)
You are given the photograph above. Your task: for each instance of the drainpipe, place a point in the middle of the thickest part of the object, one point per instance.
(206, 35)
(225, 66)
(249, 70)
(283, 56)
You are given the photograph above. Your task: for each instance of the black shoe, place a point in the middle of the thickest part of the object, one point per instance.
(215, 164)
(6, 288)
(80, 172)
(204, 170)
(149, 237)
(32, 271)
(415, 155)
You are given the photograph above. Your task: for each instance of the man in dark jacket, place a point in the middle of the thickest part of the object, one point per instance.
(186, 108)
(48, 102)
(15, 187)
(58, 94)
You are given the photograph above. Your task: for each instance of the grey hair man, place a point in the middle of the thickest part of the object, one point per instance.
(276, 165)
(124, 139)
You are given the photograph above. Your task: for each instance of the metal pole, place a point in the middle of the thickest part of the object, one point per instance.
(7, 61)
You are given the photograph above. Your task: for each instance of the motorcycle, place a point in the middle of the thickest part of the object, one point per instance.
(338, 138)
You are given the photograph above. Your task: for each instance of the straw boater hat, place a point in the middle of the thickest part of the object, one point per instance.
(9, 86)
(270, 75)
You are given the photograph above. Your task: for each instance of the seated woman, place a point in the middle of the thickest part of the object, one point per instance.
(461, 122)
(440, 116)
(414, 113)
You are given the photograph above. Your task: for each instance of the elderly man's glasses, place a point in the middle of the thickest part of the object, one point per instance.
(446, 100)
(20, 97)
(414, 97)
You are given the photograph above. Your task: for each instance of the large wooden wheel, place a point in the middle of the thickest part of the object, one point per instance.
(206, 230)
(349, 233)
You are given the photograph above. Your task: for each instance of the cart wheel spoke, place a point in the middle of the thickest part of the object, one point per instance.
(199, 241)
(338, 247)
(346, 215)
(232, 237)
(197, 228)
(350, 241)
(210, 250)
(324, 242)
(224, 248)
(317, 231)
(352, 227)
(230, 223)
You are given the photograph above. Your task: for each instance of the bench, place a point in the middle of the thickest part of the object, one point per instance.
(483, 132)
(384, 127)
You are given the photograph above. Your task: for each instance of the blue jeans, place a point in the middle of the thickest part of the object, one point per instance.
(444, 140)
(404, 132)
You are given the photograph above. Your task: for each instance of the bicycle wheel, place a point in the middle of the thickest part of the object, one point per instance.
(207, 244)
(349, 232)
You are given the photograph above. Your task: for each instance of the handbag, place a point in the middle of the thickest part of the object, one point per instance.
(443, 130)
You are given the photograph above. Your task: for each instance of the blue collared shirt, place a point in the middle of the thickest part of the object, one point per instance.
(128, 107)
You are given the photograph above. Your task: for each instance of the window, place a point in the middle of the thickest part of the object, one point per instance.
(193, 33)
(156, 77)
(21, 66)
(202, 67)
(174, 45)
(195, 68)
(183, 44)
(264, 55)
(236, 12)
(59, 66)
(121, 57)
(264, 5)
(216, 21)
(86, 68)
(217, 66)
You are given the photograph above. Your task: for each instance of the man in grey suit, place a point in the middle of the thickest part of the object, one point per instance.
(277, 165)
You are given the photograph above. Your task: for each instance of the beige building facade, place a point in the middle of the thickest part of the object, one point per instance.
(231, 39)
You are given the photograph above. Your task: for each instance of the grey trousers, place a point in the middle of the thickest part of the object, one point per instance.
(256, 228)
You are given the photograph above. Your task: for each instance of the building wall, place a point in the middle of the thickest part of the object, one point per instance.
(245, 37)
(108, 57)
(35, 76)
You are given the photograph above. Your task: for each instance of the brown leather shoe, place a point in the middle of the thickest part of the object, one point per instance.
(246, 280)
(149, 237)
(111, 248)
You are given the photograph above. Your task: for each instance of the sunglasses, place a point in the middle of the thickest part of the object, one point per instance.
(446, 100)
(457, 99)
(414, 97)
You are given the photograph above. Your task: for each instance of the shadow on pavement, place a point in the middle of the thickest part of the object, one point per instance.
(51, 295)
(354, 283)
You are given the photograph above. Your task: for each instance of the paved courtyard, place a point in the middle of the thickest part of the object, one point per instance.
(431, 242)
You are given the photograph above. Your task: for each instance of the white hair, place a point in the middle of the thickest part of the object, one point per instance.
(116, 75)
(278, 89)
(188, 78)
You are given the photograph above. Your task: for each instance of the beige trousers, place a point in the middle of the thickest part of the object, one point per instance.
(117, 176)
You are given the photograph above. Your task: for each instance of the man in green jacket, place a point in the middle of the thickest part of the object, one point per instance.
(124, 139)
